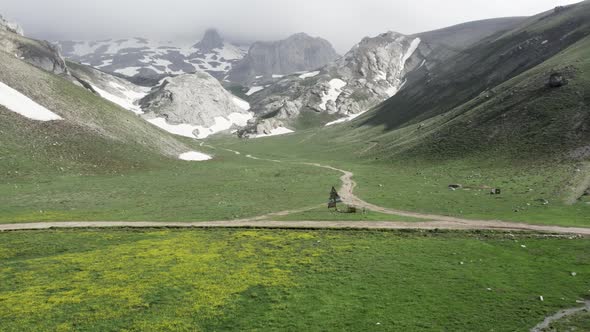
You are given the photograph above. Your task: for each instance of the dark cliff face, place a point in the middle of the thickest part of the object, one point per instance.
(299, 52)
(211, 40)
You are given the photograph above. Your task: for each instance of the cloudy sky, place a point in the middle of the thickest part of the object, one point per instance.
(343, 22)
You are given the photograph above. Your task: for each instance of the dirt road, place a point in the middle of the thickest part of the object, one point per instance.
(269, 224)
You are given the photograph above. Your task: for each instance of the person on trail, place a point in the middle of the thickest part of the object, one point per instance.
(334, 199)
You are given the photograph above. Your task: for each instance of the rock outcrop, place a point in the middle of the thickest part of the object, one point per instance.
(297, 53)
(11, 27)
(557, 80)
(373, 71)
(40, 54)
(368, 74)
(196, 100)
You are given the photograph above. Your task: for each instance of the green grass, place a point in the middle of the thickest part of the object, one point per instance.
(579, 322)
(205, 280)
(422, 186)
(228, 187)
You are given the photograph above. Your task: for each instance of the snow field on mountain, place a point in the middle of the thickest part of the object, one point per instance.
(333, 93)
(188, 130)
(129, 99)
(276, 132)
(254, 89)
(17, 102)
(308, 75)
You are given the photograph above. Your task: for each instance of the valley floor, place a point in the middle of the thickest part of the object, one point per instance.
(290, 280)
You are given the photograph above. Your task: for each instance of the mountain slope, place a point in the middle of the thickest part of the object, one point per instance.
(146, 61)
(431, 92)
(94, 134)
(372, 71)
(298, 53)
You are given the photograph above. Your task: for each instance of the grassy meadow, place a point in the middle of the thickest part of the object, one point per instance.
(229, 187)
(255, 280)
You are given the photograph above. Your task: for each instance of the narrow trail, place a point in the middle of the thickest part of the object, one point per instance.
(431, 221)
(561, 314)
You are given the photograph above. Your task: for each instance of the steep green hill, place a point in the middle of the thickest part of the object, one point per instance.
(493, 96)
(95, 134)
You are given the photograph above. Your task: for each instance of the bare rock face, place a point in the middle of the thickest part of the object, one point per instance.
(40, 54)
(371, 72)
(195, 99)
(297, 53)
(211, 40)
(261, 127)
(11, 27)
(46, 57)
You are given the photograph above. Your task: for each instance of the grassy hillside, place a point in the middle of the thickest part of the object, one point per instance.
(520, 136)
(105, 163)
(437, 90)
(95, 134)
(220, 280)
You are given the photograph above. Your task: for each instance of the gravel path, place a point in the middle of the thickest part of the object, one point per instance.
(563, 313)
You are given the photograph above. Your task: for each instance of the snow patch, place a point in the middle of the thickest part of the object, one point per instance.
(194, 156)
(185, 130)
(127, 102)
(422, 64)
(333, 93)
(23, 105)
(241, 103)
(277, 76)
(254, 89)
(345, 119)
(413, 47)
(200, 132)
(392, 91)
(276, 132)
(308, 75)
(129, 71)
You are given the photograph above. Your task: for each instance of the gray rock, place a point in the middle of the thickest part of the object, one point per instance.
(195, 99)
(11, 27)
(557, 80)
(261, 127)
(297, 53)
(372, 71)
(45, 56)
(38, 53)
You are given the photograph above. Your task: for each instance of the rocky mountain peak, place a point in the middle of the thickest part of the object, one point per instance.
(11, 27)
(211, 40)
(299, 52)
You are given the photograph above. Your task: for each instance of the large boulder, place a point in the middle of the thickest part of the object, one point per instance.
(260, 127)
(557, 80)
(41, 54)
(194, 99)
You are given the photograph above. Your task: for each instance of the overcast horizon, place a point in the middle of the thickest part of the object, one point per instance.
(342, 24)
